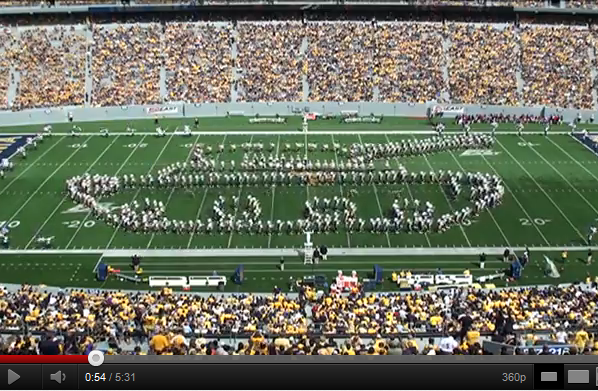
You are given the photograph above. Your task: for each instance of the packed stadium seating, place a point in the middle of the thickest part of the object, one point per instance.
(106, 64)
(125, 320)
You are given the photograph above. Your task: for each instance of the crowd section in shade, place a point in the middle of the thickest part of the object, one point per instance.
(112, 64)
(166, 322)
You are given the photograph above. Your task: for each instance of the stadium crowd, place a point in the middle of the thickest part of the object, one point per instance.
(169, 323)
(126, 65)
(198, 62)
(409, 60)
(553, 69)
(482, 66)
(51, 64)
(271, 61)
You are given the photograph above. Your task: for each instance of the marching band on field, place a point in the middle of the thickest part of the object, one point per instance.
(261, 167)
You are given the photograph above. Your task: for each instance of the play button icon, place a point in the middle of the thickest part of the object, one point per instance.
(12, 377)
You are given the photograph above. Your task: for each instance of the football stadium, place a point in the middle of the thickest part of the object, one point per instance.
(182, 169)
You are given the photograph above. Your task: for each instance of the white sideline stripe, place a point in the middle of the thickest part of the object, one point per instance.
(66, 196)
(313, 132)
(542, 190)
(277, 252)
(116, 173)
(31, 164)
(45, 181)
(139, 190)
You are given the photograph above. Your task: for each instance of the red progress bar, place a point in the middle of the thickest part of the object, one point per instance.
(15, 359)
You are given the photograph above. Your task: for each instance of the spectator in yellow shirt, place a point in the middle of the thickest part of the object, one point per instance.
(159, 343)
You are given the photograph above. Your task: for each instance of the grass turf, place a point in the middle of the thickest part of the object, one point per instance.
(551, 188)
(262, 273)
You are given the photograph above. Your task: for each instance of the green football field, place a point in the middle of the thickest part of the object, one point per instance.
(550, 202)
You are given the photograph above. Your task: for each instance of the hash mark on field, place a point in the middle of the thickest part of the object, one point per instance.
(76, 271)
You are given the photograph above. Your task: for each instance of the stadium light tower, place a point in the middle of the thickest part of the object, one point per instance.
(308, 249)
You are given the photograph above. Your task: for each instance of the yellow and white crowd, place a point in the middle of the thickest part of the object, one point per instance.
(107, 64)
(76, 321)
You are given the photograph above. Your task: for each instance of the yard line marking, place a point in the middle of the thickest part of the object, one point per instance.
(575, 160)
(32, 164)
(66, 197)
(45, 181)
(232, 232)
(541, 189)
(450, 205)
(564, 177)
(139, 190)
(517, 201)
(205, 194)
(377, 197)
(488, 209)
(342, 191)
(149, 243)
(274, 195)
(396, 159)
(124, 163)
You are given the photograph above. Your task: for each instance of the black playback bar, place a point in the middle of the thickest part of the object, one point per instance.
(297, 376)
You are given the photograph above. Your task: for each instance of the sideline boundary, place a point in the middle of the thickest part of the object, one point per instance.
(300, 133)
(277, 252)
